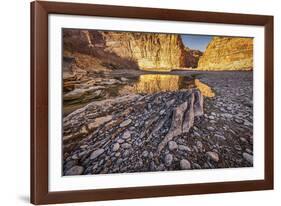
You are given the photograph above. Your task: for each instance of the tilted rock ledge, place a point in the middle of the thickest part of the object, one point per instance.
(125, 124)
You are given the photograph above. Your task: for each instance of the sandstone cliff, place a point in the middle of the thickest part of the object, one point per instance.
(149, 50)
(226, 53)
(88, 49)
(128, 50)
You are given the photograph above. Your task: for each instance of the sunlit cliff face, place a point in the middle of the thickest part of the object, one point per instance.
(152, 83)
(228, 53)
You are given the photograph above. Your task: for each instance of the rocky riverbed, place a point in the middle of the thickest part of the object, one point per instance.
(182, 128)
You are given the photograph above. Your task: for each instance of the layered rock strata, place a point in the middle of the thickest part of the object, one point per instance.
(126, 123)
(128, 50)
(149, 50)
(228, 53)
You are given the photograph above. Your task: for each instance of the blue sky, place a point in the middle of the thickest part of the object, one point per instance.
(199, 42)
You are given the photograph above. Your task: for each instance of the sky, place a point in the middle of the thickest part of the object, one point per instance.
(198, 42)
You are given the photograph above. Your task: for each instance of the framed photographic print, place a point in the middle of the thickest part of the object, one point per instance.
(133, 102)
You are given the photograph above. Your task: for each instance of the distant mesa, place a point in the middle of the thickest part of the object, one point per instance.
(192, 57)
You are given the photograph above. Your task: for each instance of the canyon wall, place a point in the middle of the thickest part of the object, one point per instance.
(149, 50)
(226, 53)
(128, 50)
(88, 48)
(192, 57)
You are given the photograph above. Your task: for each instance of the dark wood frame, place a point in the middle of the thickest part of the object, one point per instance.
(39, 102)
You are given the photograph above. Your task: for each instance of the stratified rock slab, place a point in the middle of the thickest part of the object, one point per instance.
(75, 170)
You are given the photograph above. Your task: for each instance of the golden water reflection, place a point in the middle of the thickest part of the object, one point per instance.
(204, 88)
(152, 83)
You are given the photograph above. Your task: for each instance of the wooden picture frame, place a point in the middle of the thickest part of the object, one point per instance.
(39, 102)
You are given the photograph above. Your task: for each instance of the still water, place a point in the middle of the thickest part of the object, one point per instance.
(152, 83)
(144, 84)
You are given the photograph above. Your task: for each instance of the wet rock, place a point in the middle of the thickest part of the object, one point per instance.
(196, 134)
(119, 161)
(84, 146)
(184, 148)
(140, 163)
(239, 121)
(75, 170)
(75, 156)
(243, 140)
(238, 147)
(126, 145)
(70, 164)
(115, 147)
(219, 137)
(248, 157)
(75, 94)
(161, 167)
(124, 79)
(196, 166)
(249, 151)
(111, 82)
(120, 141)
(145, 153)
(152, 166)
(96, 154)
(213, 114)
(185, 164)
(101, 162)
(211, 128)
(81, 154)
(195, 149)
(199, 145)
(99, 121)
(229, 108)
(247, 123)
(126, 123)
(172, 145)
(168, 159)
(126, 135)
(213, 156)
(211, 117)
(108, 163)
(126, 153)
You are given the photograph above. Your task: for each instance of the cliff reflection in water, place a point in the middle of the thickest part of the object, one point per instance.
(204, 88)
(152, 83)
